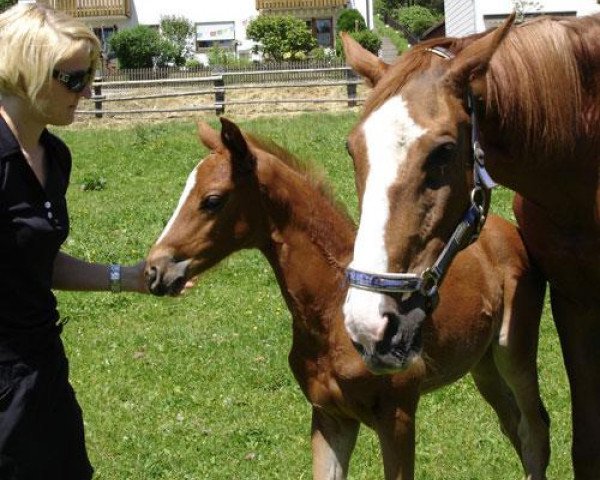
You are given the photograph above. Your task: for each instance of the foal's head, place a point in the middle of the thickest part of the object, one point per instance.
(219, 212)
(412, 154)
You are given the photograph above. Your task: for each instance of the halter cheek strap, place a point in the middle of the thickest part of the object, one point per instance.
(465, 233)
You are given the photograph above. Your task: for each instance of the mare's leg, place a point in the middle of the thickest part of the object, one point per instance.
(333, 441)
(579, 332)
(396, 432)
(515, 356)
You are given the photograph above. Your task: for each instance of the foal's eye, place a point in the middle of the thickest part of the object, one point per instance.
(442, 154)
(212, 203)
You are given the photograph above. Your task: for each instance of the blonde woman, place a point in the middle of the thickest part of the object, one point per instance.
(47, 61)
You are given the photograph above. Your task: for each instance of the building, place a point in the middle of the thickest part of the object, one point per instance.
(463, 17)
(221, 22)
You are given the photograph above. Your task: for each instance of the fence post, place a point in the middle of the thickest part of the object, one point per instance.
(220, 95)
(98, 96)
(352, 77)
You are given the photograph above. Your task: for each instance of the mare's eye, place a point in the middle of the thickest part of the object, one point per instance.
(442, 155)
(212, 203)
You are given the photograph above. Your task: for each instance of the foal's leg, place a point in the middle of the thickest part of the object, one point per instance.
(579, 332)
(333, 441)
(396, 432)
(515, 355)
(496, 392)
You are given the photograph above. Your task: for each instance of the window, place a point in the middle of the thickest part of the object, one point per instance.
(323, 28)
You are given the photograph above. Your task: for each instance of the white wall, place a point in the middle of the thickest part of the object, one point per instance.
(149, 12)
(457, 12)
(459, 17)
(365, 7)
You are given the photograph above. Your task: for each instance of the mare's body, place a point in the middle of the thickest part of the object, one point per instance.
(536, 91)
(243, 195)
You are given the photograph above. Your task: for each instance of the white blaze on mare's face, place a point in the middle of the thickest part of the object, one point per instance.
(389, 132)
(189, 185)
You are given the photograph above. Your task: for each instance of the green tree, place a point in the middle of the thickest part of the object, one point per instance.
(177, 30)
(350, 20)
(137, 47)
(416, 18)
(281, 37)
(6, 4)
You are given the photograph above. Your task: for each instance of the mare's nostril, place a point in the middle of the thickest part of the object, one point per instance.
(151, 274)
(359, 348)
(390, 332)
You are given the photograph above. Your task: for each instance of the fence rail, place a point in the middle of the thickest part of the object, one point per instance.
(223, 89)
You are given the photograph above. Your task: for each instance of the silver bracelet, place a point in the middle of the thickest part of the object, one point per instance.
(114, 276)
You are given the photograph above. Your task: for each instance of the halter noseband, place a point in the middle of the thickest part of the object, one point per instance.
(473, 220)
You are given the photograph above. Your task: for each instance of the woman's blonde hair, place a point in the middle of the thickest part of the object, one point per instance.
(34, 39)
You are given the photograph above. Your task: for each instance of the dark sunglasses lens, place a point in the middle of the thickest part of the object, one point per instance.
(74, 81)
(77, 82)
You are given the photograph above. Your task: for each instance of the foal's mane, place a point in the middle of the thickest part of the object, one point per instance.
(314, 174)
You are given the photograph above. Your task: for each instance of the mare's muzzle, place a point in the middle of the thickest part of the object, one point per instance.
(401, 345)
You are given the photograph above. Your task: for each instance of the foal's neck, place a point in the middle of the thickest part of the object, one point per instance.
(311, 242)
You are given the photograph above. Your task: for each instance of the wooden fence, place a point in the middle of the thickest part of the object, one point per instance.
(220, 90)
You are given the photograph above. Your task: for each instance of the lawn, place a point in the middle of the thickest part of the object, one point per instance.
(198, 387)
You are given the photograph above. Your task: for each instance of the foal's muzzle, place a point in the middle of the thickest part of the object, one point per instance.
(165, 276)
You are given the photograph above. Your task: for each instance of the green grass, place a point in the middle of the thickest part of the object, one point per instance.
(198, 387)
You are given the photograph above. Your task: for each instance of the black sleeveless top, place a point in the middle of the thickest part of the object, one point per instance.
(33, 225)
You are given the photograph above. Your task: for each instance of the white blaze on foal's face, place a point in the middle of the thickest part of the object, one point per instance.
(388, 132)
(189, 186)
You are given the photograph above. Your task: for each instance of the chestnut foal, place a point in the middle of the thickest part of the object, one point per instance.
(248, 193)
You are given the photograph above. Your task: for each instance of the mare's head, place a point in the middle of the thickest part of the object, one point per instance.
(412, 156)
(218, 213)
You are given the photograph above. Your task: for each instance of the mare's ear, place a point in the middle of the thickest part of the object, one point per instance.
(471, 63)
(241, 156)
(362, 61)
(209, 136)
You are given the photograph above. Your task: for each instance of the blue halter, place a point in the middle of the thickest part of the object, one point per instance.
(465, 233)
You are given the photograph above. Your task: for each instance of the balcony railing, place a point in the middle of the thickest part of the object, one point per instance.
(92, 8)
(297, 4)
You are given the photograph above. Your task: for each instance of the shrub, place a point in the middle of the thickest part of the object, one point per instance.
(350, 20)
(136, 47)
(416, 18)
(281, 37)
(219, 56)
(367, 39)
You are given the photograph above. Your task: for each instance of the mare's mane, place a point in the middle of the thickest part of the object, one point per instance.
(542, 79)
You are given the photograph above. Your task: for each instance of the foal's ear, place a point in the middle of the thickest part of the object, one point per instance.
(241, 157)
(362, 61)
(209, 136)
(471, 63)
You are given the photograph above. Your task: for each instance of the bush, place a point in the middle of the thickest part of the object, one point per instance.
(219, 56)
(417, 19)
(350, 20)
(136, 47)
(281, 37)
(367, 39)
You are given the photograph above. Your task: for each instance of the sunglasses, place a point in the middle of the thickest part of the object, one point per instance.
(74, 81)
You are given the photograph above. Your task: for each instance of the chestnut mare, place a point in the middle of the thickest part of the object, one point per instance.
(528, 98)
(248, 193)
